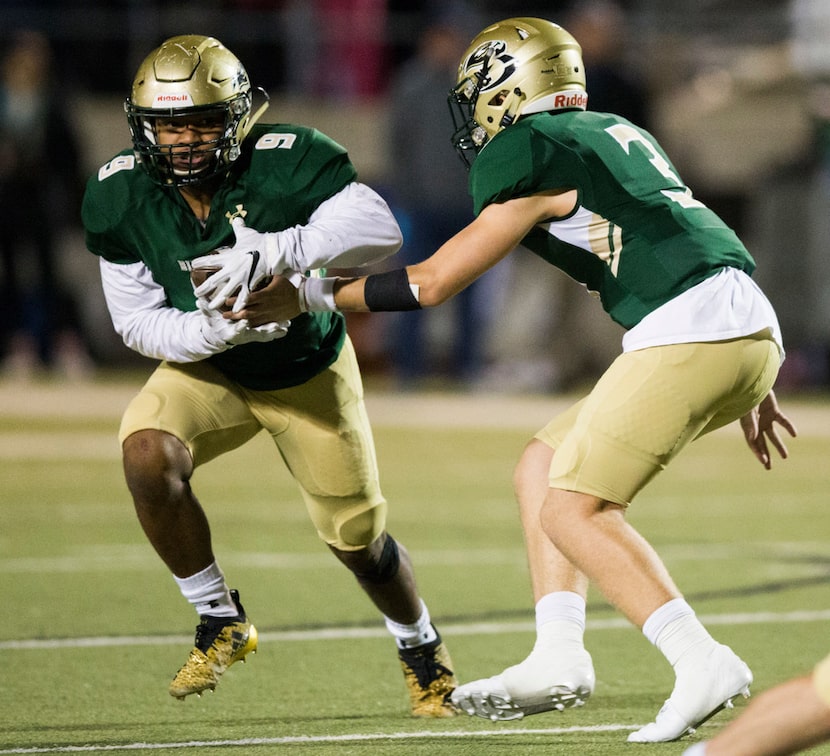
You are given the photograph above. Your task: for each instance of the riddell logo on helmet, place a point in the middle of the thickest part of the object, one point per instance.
(172, 99)
(570, 100)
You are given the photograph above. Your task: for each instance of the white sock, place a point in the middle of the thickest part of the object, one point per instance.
(560, 625)
(208, 592)
(675, 630)
(560, 621)
(561, 605)
(416, 634)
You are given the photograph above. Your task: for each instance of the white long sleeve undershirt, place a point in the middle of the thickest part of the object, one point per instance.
(351, 229)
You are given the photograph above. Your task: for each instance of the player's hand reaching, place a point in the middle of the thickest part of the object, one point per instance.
(222, 332)
(242, 267)
(276, 302)
(759, 427)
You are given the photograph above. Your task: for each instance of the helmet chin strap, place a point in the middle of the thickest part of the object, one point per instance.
(517, 97)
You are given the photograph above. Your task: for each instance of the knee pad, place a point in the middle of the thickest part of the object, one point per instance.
(349, 526)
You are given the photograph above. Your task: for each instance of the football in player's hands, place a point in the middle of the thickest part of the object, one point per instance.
(199, 275)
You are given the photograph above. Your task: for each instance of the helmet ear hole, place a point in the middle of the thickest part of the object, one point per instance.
(498, 99)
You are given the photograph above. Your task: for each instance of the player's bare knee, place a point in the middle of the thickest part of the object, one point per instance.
(566, 513)
(558, 519)
(532, 467)
(157, 466)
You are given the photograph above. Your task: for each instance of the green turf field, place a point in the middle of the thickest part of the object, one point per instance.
(94, 627)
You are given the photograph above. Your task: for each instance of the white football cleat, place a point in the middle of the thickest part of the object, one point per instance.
(699, 693)
(542, 682)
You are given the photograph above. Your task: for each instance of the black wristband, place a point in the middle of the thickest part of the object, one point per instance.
(389, 292)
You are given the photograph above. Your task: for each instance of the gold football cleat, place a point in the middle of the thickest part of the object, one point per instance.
(429, 679)
(220, 641)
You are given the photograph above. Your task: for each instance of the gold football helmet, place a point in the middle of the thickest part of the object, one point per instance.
(196, 79)
(513, 68)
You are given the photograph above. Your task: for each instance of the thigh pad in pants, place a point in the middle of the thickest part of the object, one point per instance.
(648, 406)
(322, 432)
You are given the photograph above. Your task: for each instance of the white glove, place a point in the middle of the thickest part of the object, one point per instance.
(253, 257)
(221, 332)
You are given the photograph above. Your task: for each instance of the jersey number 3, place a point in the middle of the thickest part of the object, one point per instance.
(626, 135)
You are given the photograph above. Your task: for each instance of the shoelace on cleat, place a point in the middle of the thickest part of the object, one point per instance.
(209, 628)
(424, 665)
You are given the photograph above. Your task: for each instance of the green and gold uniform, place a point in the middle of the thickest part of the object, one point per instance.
(284, 173)
(702, 346)
(638, 237)
(305, 388)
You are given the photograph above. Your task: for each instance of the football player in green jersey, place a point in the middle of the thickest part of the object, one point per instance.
(596, 196)
(201, 176)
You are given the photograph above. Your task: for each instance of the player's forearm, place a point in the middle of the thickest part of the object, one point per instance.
(168, 334)
(380, 292)
(349, 296)
(142, 318)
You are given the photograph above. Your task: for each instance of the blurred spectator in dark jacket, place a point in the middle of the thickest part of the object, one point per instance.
(601, 27)
(40, 185)
(429, 195)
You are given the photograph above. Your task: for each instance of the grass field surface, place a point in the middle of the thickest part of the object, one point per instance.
(94, 627)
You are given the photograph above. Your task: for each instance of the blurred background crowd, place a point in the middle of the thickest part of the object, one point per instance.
(737, 91)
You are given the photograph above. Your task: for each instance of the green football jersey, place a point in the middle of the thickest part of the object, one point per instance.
(637, 237)
(283, 174)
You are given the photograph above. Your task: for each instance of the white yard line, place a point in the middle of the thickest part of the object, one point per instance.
(347, 633)
(320, 739)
